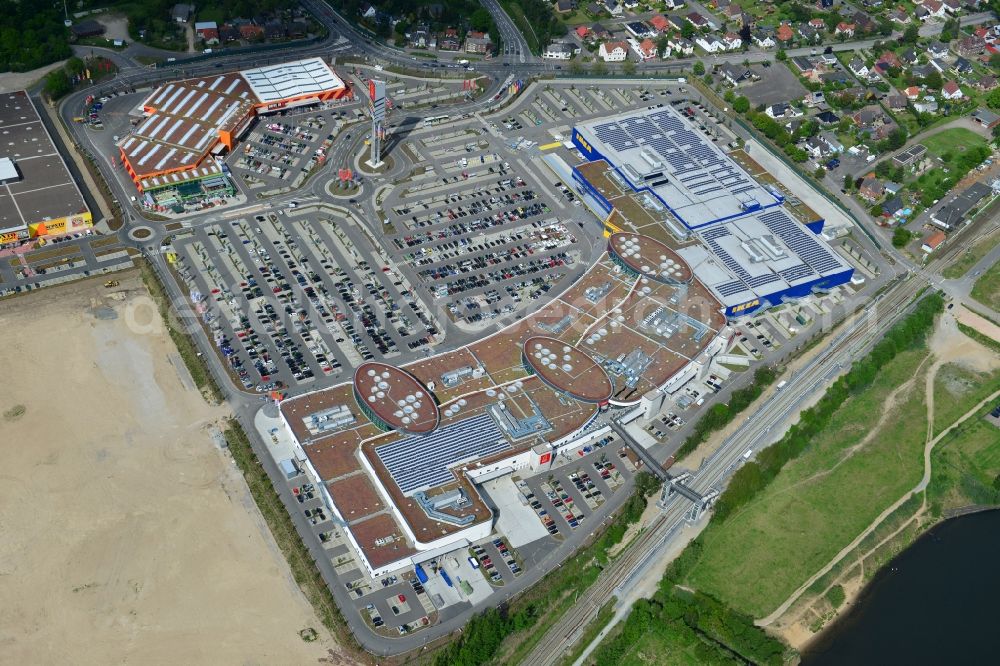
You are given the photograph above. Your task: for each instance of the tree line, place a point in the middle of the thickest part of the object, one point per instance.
(721, 414)
(756, 474)
(714, 632)
(32, 36)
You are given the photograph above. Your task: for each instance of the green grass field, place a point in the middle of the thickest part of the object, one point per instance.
(957, 389)
(965, 465)
(681, 647)
(954, 140)
(971, 257)
(821, 500)
(986, 290)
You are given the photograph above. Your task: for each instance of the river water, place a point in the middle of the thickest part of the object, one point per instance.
(938, 602)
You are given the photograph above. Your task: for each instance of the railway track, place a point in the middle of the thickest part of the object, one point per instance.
(862, 332)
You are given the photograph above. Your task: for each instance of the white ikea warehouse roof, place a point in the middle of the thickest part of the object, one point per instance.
(291, 79)
(758, 255)
(660, 150)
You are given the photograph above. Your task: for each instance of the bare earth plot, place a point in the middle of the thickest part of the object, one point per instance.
(126, 535)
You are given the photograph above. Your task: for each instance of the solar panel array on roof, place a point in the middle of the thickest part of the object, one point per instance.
(423, 461)
(802, 243)
(691, 161)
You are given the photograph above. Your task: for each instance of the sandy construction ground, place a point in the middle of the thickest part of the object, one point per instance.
(126, 535)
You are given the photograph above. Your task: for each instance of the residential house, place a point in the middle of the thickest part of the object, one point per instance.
(639, 30)
(871, 189)
(952, 6)
(922, 71)
(582, 31)
(911, 156)
(937, 49)
(478, 42)
(921, 13)
(782, 110)
(986, 82)
(612, 7)
(595, 9)
(369, 12)
(828, 118)
(735, 13)
(598, 31)
(952, 91)
(734, 74)
(449, 41)
(814, 98)
(831, 141)
(613, 51)
(892, 206)
(182, 12)
(891, 59)
(275, 29)
(986, 118)
(824, 4)
(934, 9)
(970, 47)
(809, 34)
(732, 41)
(659, 23)
(763, 39)
(844, 28)
(816, 148)
(630, 4)
(794, 124)
(646, 49)
(680, 45)
(817, 23)
(859, 68)
(251, 31)
(932, 241)
(699, 21)
(926, 105)
(208, 31)
(899, 15)
(228, 33)
(674, 4)
(837, 76)
(784, 34)
(804, 65)
(883, 131)
(558, 51)
(940, 65)
(710, 43)
(961, 66)
(896, 102)
(422, 37)
(912, 93)
(869, 117)
(908, 56)
(864, 22)
(565, 6)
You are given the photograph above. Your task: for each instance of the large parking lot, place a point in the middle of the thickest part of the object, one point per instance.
(282, 151)
(290, 296)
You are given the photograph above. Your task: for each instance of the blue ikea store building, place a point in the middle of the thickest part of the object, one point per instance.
(752, 254)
